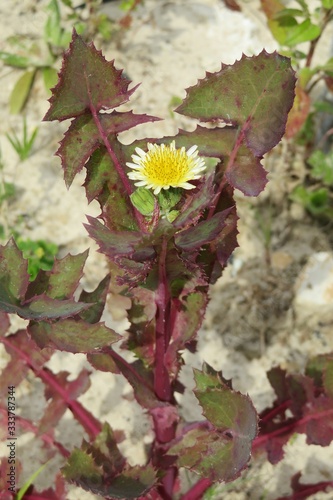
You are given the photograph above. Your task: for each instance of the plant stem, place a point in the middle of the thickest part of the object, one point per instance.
(162, 384)
(91, 425)
(197, 490)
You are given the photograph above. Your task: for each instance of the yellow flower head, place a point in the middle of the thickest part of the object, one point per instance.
(163, 166)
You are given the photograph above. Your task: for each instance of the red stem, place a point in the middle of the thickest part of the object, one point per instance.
(29, 426)
(91, 425)
(162, 384)
(196, 492)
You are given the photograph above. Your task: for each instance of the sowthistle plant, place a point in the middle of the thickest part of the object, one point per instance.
(168, 225)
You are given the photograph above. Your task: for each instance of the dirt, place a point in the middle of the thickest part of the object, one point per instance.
(257, 317)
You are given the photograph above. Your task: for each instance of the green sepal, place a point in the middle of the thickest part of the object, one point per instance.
(143, 200)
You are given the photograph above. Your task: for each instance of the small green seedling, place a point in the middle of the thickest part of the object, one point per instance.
(23, 146)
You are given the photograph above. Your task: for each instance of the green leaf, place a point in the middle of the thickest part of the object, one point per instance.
(322, 166)
(15, 60)
(79, 88)
(221, 452)
(327, 4)
(83, 138)
(73, 335)
(50, 77)
(256, 94)
(29, 482)
(21, 91)
(316, 201)
(52, 29)
(303, 32)
(65, 276)
(40, 255)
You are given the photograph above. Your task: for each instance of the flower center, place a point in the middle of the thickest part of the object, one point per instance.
(167, 166)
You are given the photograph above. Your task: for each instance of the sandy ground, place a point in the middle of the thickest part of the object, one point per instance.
(258, 317)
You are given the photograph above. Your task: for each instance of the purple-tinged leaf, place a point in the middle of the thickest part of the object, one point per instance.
(86, 81)
(103, 183)
(244, 172)
(141, 379)
(65, 275)
(141, 332)
(187, 313)
(4, 323)
(96, 300)
(101, 469)
(305, 490)
(25, 349)
(317, 421)
(195, 204)
(17, 368)
(219, 449)
(103, 362)
(256, 93)
(83, 138)
(119, 243)
(72, 336)
(203, 233)
(14, 278)
(57, 407)
(277, 379)
(43, 308)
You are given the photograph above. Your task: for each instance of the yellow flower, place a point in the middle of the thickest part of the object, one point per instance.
(163, 166)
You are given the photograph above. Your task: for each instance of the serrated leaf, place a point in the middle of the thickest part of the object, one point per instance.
(141, 379)
(256, 93)
(100, 468)
(83, 138)
(73, 335)
(245, 172)
(17, 368)
(65, 275)
(103, 182)
(80, 87)
(14, 278)
(20, 92)
(203, 233)
(221, 451)
(57, 406)
(119, 243)
(96, 300)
